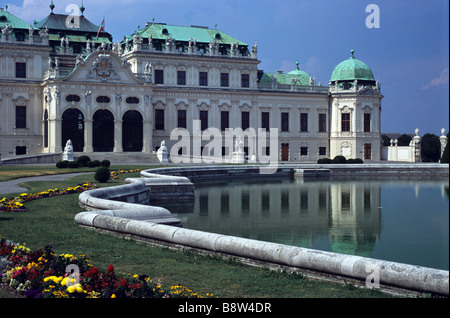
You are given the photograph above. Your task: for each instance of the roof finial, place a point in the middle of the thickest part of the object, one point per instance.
(52, 6)
(353, 53)
(297, 65)
(82, 8)
(6, 7)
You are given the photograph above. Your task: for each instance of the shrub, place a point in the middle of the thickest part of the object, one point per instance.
(105, 163)
(358, 160)
(339, 159)
(102, 174)
(93, 164)
(73, 164)
(62, 164)
(325, 161)
(83, 161)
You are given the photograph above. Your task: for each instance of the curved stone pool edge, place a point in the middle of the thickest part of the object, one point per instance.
(155, 223)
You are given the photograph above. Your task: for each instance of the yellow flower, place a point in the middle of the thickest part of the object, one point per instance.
(113, 296)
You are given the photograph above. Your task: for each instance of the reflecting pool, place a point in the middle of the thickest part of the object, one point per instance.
(405, 221)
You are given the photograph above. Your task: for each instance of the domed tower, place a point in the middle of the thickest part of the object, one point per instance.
(355, 111)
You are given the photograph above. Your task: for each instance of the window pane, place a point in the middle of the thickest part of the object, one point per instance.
(159, 119)
(284, 121)
(224, 80)
(182, 119)
(204, 119)
(21, 70)
(245, 80)
(245, 120)
(304, 122)
(265, 124)
(159, 77)
(224, 120)
(322, 122)
(21, 117)
(203, 79)
(345, 122)
(181, 78)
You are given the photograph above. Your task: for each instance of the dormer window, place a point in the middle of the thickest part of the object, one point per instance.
(3, 19)
(20, 36)
(165, 31)
(218, 36)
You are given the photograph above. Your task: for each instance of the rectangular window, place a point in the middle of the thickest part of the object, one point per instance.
(245, 121)
(367, 122)
(21, 150)
(303, 151)
(224, 80)
(304, 122)
(159, 76)
(245, 80)
(224, 120)
(203, 79)
(345, 122)
(322, 151)
(204, 119)
(265, 122)
(21, 70)
(181, 77)
(21, 117)
(182, 118)
(284, 121)
(322, 122)
(159, 119)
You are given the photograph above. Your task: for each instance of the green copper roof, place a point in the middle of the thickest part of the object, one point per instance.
(352, 69)
(286, 79)
(182, 33)
(58, 22)
(13, 21)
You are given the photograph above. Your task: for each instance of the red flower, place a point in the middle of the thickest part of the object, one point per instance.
(123, 282)
(110, 268)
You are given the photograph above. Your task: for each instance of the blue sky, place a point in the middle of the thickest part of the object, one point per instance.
(408, 53)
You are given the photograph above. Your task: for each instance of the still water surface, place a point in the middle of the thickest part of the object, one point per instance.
(405, 221)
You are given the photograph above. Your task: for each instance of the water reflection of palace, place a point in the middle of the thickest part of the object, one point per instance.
(346, 214)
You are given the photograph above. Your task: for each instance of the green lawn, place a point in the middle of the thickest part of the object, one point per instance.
(50, 221)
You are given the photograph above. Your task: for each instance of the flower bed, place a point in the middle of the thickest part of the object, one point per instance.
(17, 204)
(44, 274)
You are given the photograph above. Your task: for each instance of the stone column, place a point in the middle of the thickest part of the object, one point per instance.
(148, 136)
(118, 136)
(88, 136)
(55, 141)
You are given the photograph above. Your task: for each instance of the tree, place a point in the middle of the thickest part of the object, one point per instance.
(404, 140)
(430, 148)
(386, 140)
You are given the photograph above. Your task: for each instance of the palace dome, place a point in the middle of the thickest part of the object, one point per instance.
(352, 69)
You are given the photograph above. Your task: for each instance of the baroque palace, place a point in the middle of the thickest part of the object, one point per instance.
(63, 82)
